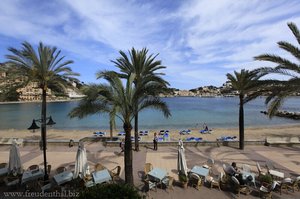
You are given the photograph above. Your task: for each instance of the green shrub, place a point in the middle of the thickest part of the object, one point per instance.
(265, 178)
(108, 191)
(183, 178)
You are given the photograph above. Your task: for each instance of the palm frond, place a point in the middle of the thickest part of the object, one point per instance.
(295, 31)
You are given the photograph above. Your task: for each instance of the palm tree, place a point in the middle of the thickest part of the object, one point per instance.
(91, 105)
(279, 90)
(246, 83)
(145, 68)
(46, 68)
(123, 100)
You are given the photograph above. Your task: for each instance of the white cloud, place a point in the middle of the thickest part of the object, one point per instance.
(199, 41)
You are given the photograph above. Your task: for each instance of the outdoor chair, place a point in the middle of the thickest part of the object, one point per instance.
(240, 188)
(2, 177)
(224, 168)
(147, 168)
(270, 166)
(3, 165)
(246, 168)
(216, 181)
(265, 191)
(99, 167)
(260, 172)
(12, 181)
(44, 185)
(168, 181)
(150, 185)
(60, 170)
(115, 172)
(284, 184)
(295, 184)
(71, 167)
(195, 181)
(33, 167)
(209, 164)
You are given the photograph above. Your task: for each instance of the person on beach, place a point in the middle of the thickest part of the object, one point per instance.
(155, 140)
(238, 174)
(233, 164)
(122, 145)
(205, 127)
(232, 169)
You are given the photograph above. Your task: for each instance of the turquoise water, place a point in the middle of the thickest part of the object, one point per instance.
(187, 112)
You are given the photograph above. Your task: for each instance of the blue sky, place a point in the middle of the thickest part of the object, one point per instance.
(198, 40)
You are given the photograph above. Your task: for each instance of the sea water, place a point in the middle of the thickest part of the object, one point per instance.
(187, 112)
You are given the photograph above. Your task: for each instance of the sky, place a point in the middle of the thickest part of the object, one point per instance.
(199, 41)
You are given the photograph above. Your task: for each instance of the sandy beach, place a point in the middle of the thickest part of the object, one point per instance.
(251, 133)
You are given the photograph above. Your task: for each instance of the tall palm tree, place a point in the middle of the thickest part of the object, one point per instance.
(123, 99)
(145, 68)
(281, 89)
(246, 83)
(46, 68)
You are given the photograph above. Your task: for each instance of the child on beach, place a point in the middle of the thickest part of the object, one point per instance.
(155, 140)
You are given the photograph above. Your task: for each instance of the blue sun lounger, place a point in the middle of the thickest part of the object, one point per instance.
(121, 133)
(132, 138)
(194, 139)
(143, 133)
(227, 138)
(203, 131)
(99, 134)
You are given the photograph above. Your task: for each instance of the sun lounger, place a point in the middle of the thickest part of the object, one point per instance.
(227, 138)
(121, 133)
(99, 134)
(143, 133)
(132, 138)
(161, 132)
(203, 131)
(193, 139)
(185, 132)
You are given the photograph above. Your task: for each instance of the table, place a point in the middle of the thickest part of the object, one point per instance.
(201, 171)
(101, 176)
(276, 173)
(3, 171)
(89, 183)
(158, 174)
(246, 174)
(32, 175)
(63, 177)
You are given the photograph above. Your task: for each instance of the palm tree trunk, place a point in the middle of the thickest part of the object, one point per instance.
(128, 154)
(43, 130)
(241, 122)
(111, 129)
(136, 134)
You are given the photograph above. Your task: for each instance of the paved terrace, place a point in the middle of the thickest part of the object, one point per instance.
(286, 159)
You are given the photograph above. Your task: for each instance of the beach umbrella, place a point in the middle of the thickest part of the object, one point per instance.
(81, 165)
(14, 164)
(181, 161)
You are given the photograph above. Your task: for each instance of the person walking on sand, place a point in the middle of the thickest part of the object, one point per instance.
(155, 140)
(122, 145)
